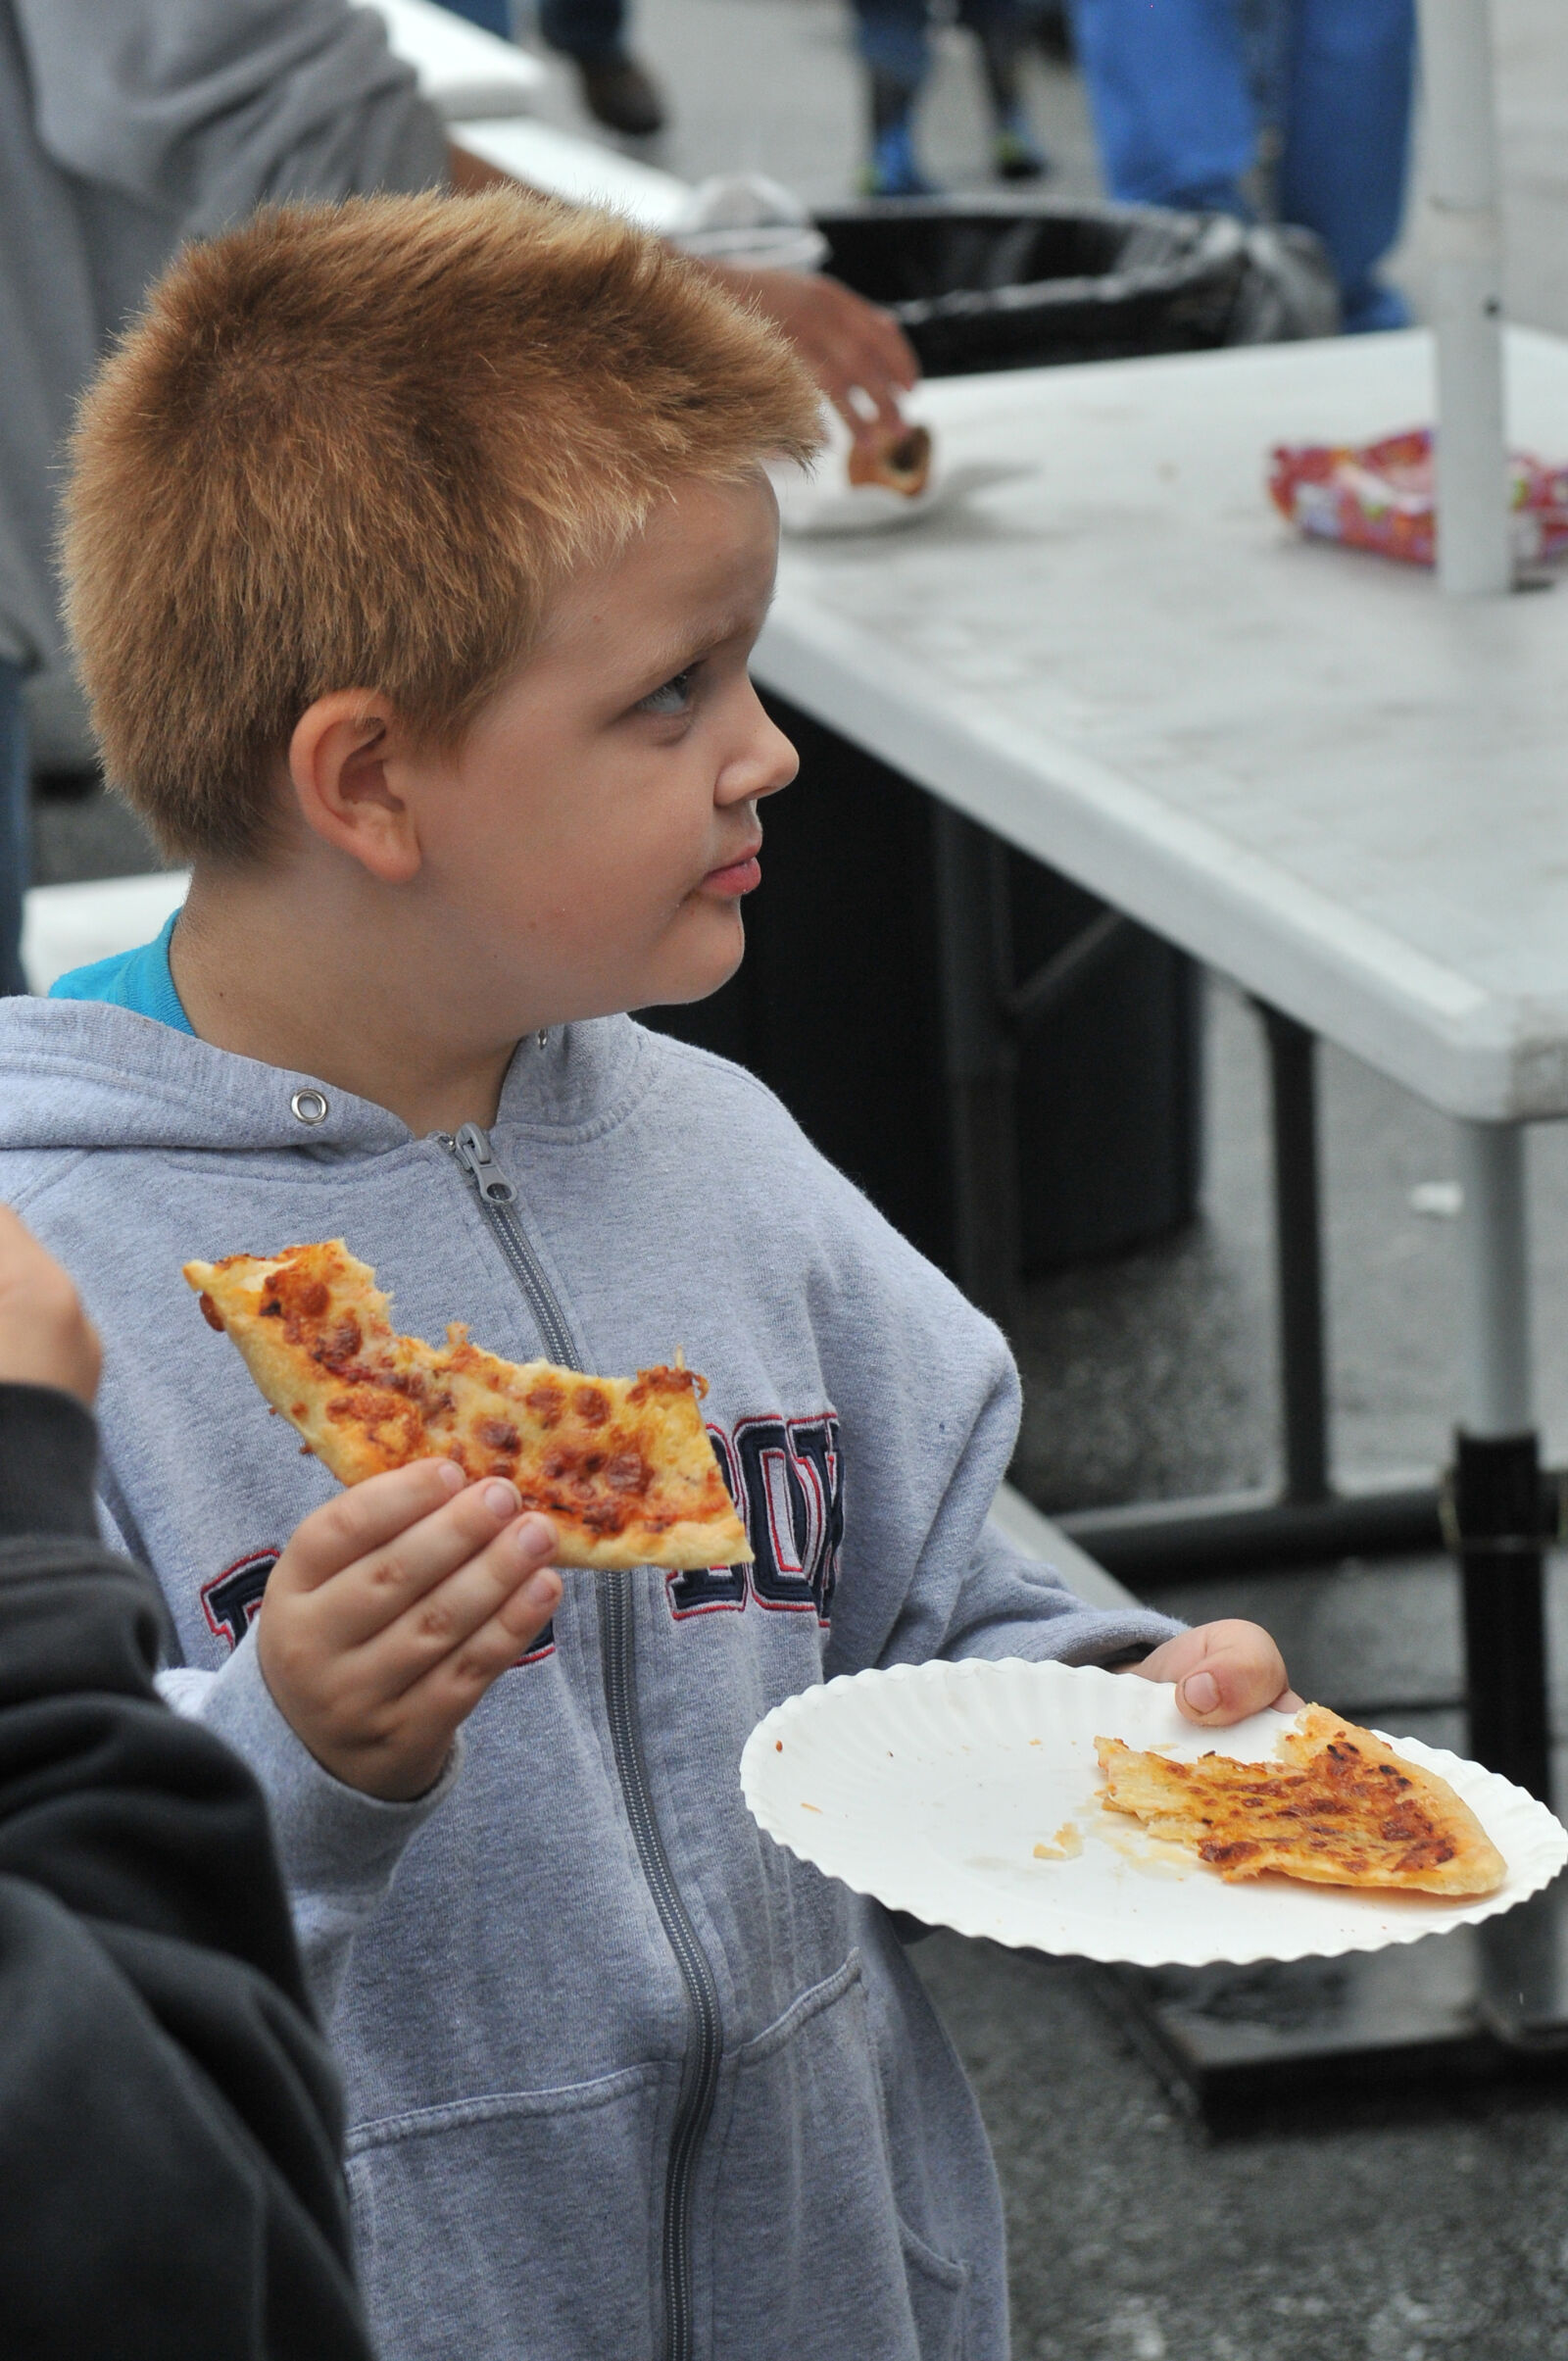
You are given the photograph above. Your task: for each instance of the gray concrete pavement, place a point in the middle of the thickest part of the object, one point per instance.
(1434, 2231)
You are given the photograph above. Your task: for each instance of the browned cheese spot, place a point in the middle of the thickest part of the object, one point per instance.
(210, 1311)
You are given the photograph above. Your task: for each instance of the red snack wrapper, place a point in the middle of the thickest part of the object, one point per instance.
(1379, 496)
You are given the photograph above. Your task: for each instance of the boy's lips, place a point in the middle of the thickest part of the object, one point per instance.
(736, 876)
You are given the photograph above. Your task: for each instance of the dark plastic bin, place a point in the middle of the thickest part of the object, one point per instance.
(990, 282)
(839, 1004)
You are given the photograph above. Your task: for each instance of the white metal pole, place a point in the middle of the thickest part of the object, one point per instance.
(1494, 1240)
(1474, 548)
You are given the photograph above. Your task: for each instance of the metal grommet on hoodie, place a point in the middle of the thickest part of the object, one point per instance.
(310, 1106)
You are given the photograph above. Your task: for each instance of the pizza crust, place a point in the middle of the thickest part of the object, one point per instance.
(622, 1465)
(1339, 1808)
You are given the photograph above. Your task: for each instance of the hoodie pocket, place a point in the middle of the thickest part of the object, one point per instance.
(811, 2259)
(524, 2224)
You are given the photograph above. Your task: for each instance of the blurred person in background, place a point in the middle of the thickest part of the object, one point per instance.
(127, 130)
(1290, 110)
(894, 40)
(616, 87)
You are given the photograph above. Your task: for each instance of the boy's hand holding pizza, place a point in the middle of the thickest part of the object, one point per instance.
(390, 1613)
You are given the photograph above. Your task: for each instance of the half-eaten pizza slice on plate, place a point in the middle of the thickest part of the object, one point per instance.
(1340, 1809)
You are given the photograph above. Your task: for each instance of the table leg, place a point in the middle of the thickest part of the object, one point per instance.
(1307, 1523)
(979, 1058)
(1498, 1520)
(1299, 1257)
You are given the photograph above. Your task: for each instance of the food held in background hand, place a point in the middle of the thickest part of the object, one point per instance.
(1342, 1808)
(898, 457)
(1379, 496)
(624, 1465)
(885, 479)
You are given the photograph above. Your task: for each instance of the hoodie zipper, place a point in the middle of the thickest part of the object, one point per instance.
(617, 1639)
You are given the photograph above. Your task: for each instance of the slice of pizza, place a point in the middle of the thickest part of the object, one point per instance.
(624, 1465)
(1342, 1808)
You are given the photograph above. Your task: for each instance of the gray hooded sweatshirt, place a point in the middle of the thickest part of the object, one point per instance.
(125, 127)
(626, 2079)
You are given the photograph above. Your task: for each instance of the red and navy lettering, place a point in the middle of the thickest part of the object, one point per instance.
(231, 1599)
(786, 1478)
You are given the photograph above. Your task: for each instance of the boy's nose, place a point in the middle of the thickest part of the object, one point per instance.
(768, 762)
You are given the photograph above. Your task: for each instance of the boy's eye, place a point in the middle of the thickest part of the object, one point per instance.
(674, 696)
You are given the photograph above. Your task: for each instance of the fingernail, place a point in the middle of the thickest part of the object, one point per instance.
(535, 1534)
(542, 1589)
(503, 1500)
(452, 1478)
(1200, 1692)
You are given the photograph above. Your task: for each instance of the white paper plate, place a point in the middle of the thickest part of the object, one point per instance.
(930, 1786)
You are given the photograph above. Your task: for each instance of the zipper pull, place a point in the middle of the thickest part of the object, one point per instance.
(474, 1152)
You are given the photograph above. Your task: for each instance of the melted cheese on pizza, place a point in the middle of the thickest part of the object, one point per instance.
(1342, 1809)
(624, 1465)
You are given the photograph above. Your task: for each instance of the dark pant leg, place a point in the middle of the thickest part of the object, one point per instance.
(589, 30)
(14, 826)
(495, 15)
(1001, 27)
(894, 41)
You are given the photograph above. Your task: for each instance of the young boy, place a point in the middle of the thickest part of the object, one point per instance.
(438, 676)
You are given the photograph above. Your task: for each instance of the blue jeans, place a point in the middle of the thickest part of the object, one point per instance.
(1178, 88)
(15, 822)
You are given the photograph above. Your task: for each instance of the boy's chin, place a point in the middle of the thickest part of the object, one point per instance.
(705, 970)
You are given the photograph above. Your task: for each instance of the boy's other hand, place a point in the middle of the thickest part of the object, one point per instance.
(1223, 1672)
(46, 1339)
(848, 344)
(390, 1613)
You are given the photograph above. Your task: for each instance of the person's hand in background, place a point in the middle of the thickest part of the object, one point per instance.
(852, 347)
(46, 1339)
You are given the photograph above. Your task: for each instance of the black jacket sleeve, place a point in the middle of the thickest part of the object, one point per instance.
(169, 2117)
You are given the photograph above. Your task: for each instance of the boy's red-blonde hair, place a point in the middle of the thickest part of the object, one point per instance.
(361, 446)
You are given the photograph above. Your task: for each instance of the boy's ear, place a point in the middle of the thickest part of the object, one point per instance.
(341, 759)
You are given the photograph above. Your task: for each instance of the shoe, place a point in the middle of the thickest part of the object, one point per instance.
(893, 170)
(621, 95)
(1015, 155)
